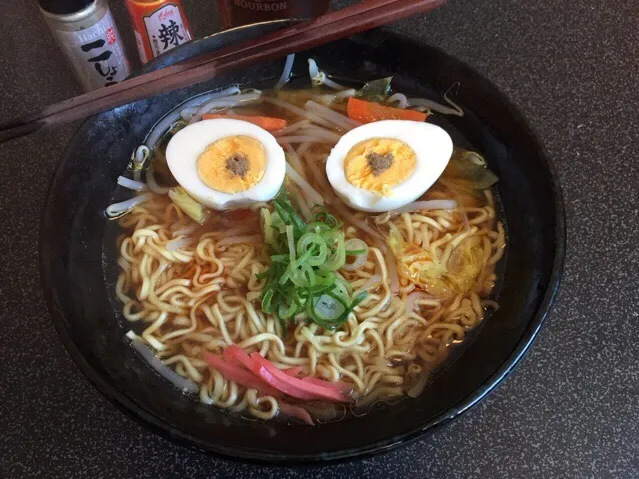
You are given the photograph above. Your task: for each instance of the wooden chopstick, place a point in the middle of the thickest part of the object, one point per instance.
(225, 52)
(332, 26)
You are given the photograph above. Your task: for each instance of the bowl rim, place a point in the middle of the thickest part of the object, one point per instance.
(250, 455)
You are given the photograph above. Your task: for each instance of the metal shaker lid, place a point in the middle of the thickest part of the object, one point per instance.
(64, 7)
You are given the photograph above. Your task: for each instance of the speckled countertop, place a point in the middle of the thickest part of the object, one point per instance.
(571, 409)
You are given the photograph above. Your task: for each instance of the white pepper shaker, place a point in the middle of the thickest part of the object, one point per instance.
(89, 38)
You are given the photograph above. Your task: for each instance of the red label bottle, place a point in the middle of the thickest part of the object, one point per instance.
(158, 25)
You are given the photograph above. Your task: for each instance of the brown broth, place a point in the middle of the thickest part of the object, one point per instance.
(453, 184)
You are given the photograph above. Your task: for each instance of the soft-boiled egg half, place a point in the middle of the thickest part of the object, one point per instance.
(226, 163)
(387, 164)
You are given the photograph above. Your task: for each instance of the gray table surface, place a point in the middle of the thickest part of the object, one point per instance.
(571, 409)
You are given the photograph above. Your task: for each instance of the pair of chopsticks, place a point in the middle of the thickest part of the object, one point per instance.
(332, 26)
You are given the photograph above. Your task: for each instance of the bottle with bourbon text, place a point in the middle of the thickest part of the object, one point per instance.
(241, 12)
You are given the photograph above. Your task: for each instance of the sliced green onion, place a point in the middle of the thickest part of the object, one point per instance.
(267, 298)
(313, 241)
(329, 307)
(304, 276)
(284, 277)
(359, 249)
(336, 260)
(304, 258)
(291, 243)
(266, 223)
(284, 312)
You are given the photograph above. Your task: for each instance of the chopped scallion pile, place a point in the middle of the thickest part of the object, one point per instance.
(304, 259)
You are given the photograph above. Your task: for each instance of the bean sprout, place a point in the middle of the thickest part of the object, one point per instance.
(319, 78)
(306, 188)
(425, 205)
(153, 185)
(131, 184)
(178, 381)
(118, 209)
(286, 74)
(439, 108)
(398, 98)
(226, 102)
(332, 116)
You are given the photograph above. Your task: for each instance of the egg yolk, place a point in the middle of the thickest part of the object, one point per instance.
(232, 164)
(379, 164)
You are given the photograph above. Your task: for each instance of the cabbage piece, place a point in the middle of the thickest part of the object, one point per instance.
(188, 205)
(376, 90)
(418, 266)
(465, 264)
(472, 166)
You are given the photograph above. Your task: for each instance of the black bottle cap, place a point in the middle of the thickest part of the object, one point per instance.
(64, 7)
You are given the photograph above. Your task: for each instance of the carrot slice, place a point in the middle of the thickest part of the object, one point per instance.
(239, 375)
(266, 122)
(296, 411)
(367, 112)
(293, 385)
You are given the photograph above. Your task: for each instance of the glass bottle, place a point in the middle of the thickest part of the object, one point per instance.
(89, 38)
(241, 12)
(158, 25)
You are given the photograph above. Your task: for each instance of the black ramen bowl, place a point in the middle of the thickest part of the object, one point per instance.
(77, 269)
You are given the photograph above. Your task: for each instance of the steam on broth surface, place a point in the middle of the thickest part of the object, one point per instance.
(298, 304)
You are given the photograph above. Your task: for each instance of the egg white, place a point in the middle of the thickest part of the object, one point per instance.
(433, 148)
(185, 147)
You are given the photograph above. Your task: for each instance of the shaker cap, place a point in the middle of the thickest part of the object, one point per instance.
(64, 7)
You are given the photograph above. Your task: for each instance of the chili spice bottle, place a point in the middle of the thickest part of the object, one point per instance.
(158, 25)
